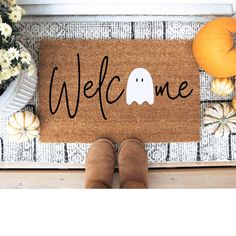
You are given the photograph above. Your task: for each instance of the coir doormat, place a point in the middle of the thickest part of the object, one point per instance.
(141, 89)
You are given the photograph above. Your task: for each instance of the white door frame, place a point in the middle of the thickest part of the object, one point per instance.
(129, 7)
(234, 7)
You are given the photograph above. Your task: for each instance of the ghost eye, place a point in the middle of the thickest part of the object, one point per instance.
(142, 79)
(136, 79)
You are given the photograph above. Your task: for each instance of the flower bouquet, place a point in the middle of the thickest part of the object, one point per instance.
(18, 78)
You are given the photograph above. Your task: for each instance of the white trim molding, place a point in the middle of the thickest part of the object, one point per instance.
(234, 7)
(129, 7)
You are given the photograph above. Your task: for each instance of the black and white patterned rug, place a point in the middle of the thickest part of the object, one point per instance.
(210, 149)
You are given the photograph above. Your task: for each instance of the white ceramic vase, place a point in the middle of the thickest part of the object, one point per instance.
(19, 92)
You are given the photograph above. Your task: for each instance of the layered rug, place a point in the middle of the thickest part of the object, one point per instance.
(161, 152)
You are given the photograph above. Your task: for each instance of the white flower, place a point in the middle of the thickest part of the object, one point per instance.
(3, 54)
(31, 69)
(22, 11)
(19, 9)
(5, 63)
(25, 57)
(13, 53)
(15, 16)
(5, 75)
(5, 29)
(11, 2)
(15, 71)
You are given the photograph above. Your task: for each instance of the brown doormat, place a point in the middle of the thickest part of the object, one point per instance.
(141, 89)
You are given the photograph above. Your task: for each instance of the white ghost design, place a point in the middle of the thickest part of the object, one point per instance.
(140, 87)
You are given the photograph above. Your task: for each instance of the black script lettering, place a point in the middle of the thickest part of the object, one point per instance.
(102, 76)
(64, 88)
(182, 87)
(89, 85)
(108, 88)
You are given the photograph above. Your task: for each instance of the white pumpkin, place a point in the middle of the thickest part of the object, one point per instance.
(220, 119)
(23, 126)
(222, 86)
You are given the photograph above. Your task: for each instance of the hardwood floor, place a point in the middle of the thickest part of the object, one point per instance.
(217, 177)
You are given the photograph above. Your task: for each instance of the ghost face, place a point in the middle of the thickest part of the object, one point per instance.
(140, 87)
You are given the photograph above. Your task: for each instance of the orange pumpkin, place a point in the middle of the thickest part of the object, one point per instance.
(214, 47)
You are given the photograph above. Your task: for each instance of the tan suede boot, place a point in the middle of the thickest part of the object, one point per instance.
(133, 164)
(100, 165)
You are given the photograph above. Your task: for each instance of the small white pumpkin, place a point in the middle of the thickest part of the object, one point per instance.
(23, 126)
(222, 86)
(220, 119)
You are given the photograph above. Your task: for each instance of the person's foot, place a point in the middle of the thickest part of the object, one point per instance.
(133, 164)
(100, 165)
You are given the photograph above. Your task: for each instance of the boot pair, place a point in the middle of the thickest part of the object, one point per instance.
(131, 160)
